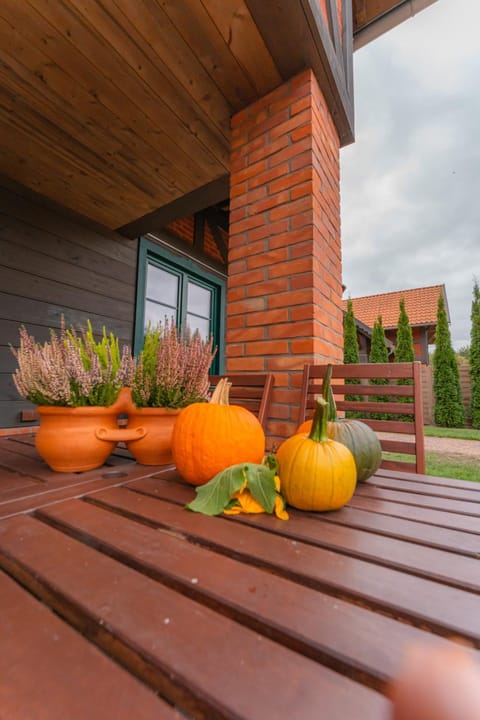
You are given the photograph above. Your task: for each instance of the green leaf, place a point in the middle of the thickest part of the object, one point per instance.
(213, 497)
(261, 483)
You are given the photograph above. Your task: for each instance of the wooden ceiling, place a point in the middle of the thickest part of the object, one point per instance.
(115, 108)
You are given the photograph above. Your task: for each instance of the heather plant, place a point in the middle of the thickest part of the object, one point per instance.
(72, 369)
(172, 369)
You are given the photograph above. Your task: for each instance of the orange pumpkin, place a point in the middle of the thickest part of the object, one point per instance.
(210, 437)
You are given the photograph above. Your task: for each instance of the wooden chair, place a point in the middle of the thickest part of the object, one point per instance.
(390, 404)
(253, 392)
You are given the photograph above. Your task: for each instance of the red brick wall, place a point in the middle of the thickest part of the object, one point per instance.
(184, 229)
(284, 286)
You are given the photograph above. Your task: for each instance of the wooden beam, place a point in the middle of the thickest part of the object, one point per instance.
(347, 44)
(299, 38)
(211, 218)
(189, 204)
(198, 231)
(332, 14)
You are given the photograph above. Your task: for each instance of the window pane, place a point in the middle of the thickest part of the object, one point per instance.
(155, 313)
(162, 286)
(201, 324)
(199, 300)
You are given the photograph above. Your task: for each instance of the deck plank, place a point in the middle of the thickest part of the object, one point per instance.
(196, 658)
(471, 494)
(63, 487)
(428, 562)
(447, 610)
(463, 543)
(411, 477)
(327, 629)
(452, 505)
(43, 658)
(425, 515)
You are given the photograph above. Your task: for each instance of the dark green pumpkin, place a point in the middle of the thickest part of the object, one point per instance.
(358, 437)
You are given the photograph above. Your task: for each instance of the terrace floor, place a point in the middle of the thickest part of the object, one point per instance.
(116, 602)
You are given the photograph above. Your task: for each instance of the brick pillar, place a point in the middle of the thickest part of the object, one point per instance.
(284, 285)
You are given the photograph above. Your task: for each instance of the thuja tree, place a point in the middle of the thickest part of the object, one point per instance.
(449, 410)
(475, 356)
(350, 350)
(379, 354)
(404, 350)
(350, 342)
(404, 347)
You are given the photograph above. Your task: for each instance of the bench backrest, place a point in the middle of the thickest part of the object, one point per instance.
(253, 392)
(394, 408)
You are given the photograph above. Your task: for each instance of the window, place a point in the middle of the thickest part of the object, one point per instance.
(177, 287)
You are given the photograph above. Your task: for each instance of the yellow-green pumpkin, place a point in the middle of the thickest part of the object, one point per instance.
(316, 473)
(356, 435)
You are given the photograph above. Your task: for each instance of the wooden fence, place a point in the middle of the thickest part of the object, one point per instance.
(429, 398)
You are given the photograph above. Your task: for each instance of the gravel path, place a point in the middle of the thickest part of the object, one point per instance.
(447, 446)
(452, 446)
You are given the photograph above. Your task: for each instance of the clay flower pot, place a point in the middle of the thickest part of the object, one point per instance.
(81, 438)
(155, 446)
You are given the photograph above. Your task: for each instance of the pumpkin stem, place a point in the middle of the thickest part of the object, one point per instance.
(328, 393)
(220, 395)
(320, 421)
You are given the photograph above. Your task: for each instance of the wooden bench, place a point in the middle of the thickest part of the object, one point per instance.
(369, 404)
(253, 392)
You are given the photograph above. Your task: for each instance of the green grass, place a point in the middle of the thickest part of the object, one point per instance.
(457, 433)
(442, 465)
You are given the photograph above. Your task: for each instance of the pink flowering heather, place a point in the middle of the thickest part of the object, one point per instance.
(70, 369)
(172, 370)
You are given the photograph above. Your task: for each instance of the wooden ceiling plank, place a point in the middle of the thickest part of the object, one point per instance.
(85, 38)
(45, 97)
(115, 29)
(73, 152)
(53, 174)
(175, 59)
(74, 91)
(240, 33)
(99, 141)
(94, 107)
(207, 43)
(48, 138)
(46, 181)
(70, 44)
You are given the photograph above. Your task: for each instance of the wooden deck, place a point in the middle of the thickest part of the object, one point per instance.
(116, 602)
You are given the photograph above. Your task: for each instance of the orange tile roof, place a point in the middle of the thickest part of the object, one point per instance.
(420, 304)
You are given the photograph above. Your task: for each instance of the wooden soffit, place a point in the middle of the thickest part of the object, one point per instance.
(116, 109)
(372, 18)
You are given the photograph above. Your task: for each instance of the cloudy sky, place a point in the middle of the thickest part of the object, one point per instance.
(411, 182)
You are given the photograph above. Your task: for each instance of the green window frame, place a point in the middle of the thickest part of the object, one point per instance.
(189, 274)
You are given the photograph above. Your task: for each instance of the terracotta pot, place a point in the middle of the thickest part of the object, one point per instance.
(155, 447)
(82, 438)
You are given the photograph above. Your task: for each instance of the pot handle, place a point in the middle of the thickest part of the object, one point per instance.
(120, 434)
